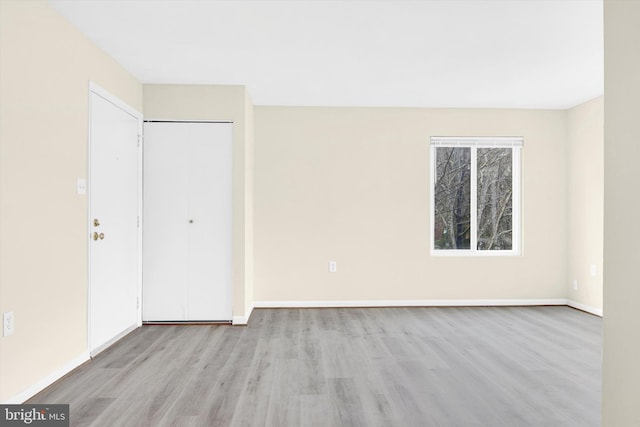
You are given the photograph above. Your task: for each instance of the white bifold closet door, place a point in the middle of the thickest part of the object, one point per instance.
(187, 222)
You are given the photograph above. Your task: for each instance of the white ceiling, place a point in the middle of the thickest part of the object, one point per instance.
(451, 53)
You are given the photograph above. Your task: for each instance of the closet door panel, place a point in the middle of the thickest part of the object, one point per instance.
(165, 230)
(209, 234)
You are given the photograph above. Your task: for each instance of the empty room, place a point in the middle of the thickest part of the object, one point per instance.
(319, 212)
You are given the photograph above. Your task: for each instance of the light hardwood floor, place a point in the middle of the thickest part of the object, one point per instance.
(506, 366)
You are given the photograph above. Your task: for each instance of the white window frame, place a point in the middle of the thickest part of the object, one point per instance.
(516, 144)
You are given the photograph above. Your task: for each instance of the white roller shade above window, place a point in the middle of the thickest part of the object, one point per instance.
(497, 142)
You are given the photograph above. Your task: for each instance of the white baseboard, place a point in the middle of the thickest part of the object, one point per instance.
(48, 380)
(408, 303)
(584, 307)
(242, 320)
(239, 320)
(248, 316)
(113, 340)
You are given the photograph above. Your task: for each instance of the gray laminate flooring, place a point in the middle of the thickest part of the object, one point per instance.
(480, 366)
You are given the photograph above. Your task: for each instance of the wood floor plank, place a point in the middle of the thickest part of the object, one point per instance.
(447, 366)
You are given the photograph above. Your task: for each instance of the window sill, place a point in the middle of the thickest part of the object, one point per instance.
(470, 253)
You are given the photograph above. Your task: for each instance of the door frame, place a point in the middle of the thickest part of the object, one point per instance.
(99, 91)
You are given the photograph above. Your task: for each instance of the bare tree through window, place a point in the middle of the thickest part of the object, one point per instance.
(494, 200)
(453, 198)
(478, 213)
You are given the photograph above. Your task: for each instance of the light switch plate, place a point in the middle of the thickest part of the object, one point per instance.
(8, 328)
(81, 186)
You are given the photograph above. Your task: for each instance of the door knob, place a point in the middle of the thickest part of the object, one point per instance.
(97, 236)
(101, 236)
(96, 223)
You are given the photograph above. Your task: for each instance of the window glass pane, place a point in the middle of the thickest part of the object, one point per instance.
(452, 198)
(495, 194)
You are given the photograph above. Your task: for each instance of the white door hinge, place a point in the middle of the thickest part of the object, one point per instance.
(138, 221)
(139, 140)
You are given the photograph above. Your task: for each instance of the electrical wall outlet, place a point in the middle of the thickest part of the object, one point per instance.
(333, 266)
(575, 284)
(8, 326)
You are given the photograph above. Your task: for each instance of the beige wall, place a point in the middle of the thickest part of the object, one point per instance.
(352, 185)
(221, 103)
(585, 141)
(45, 68)
(621, 370)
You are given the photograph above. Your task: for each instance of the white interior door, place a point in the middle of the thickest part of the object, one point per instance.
(187, 230)
(113, 220)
